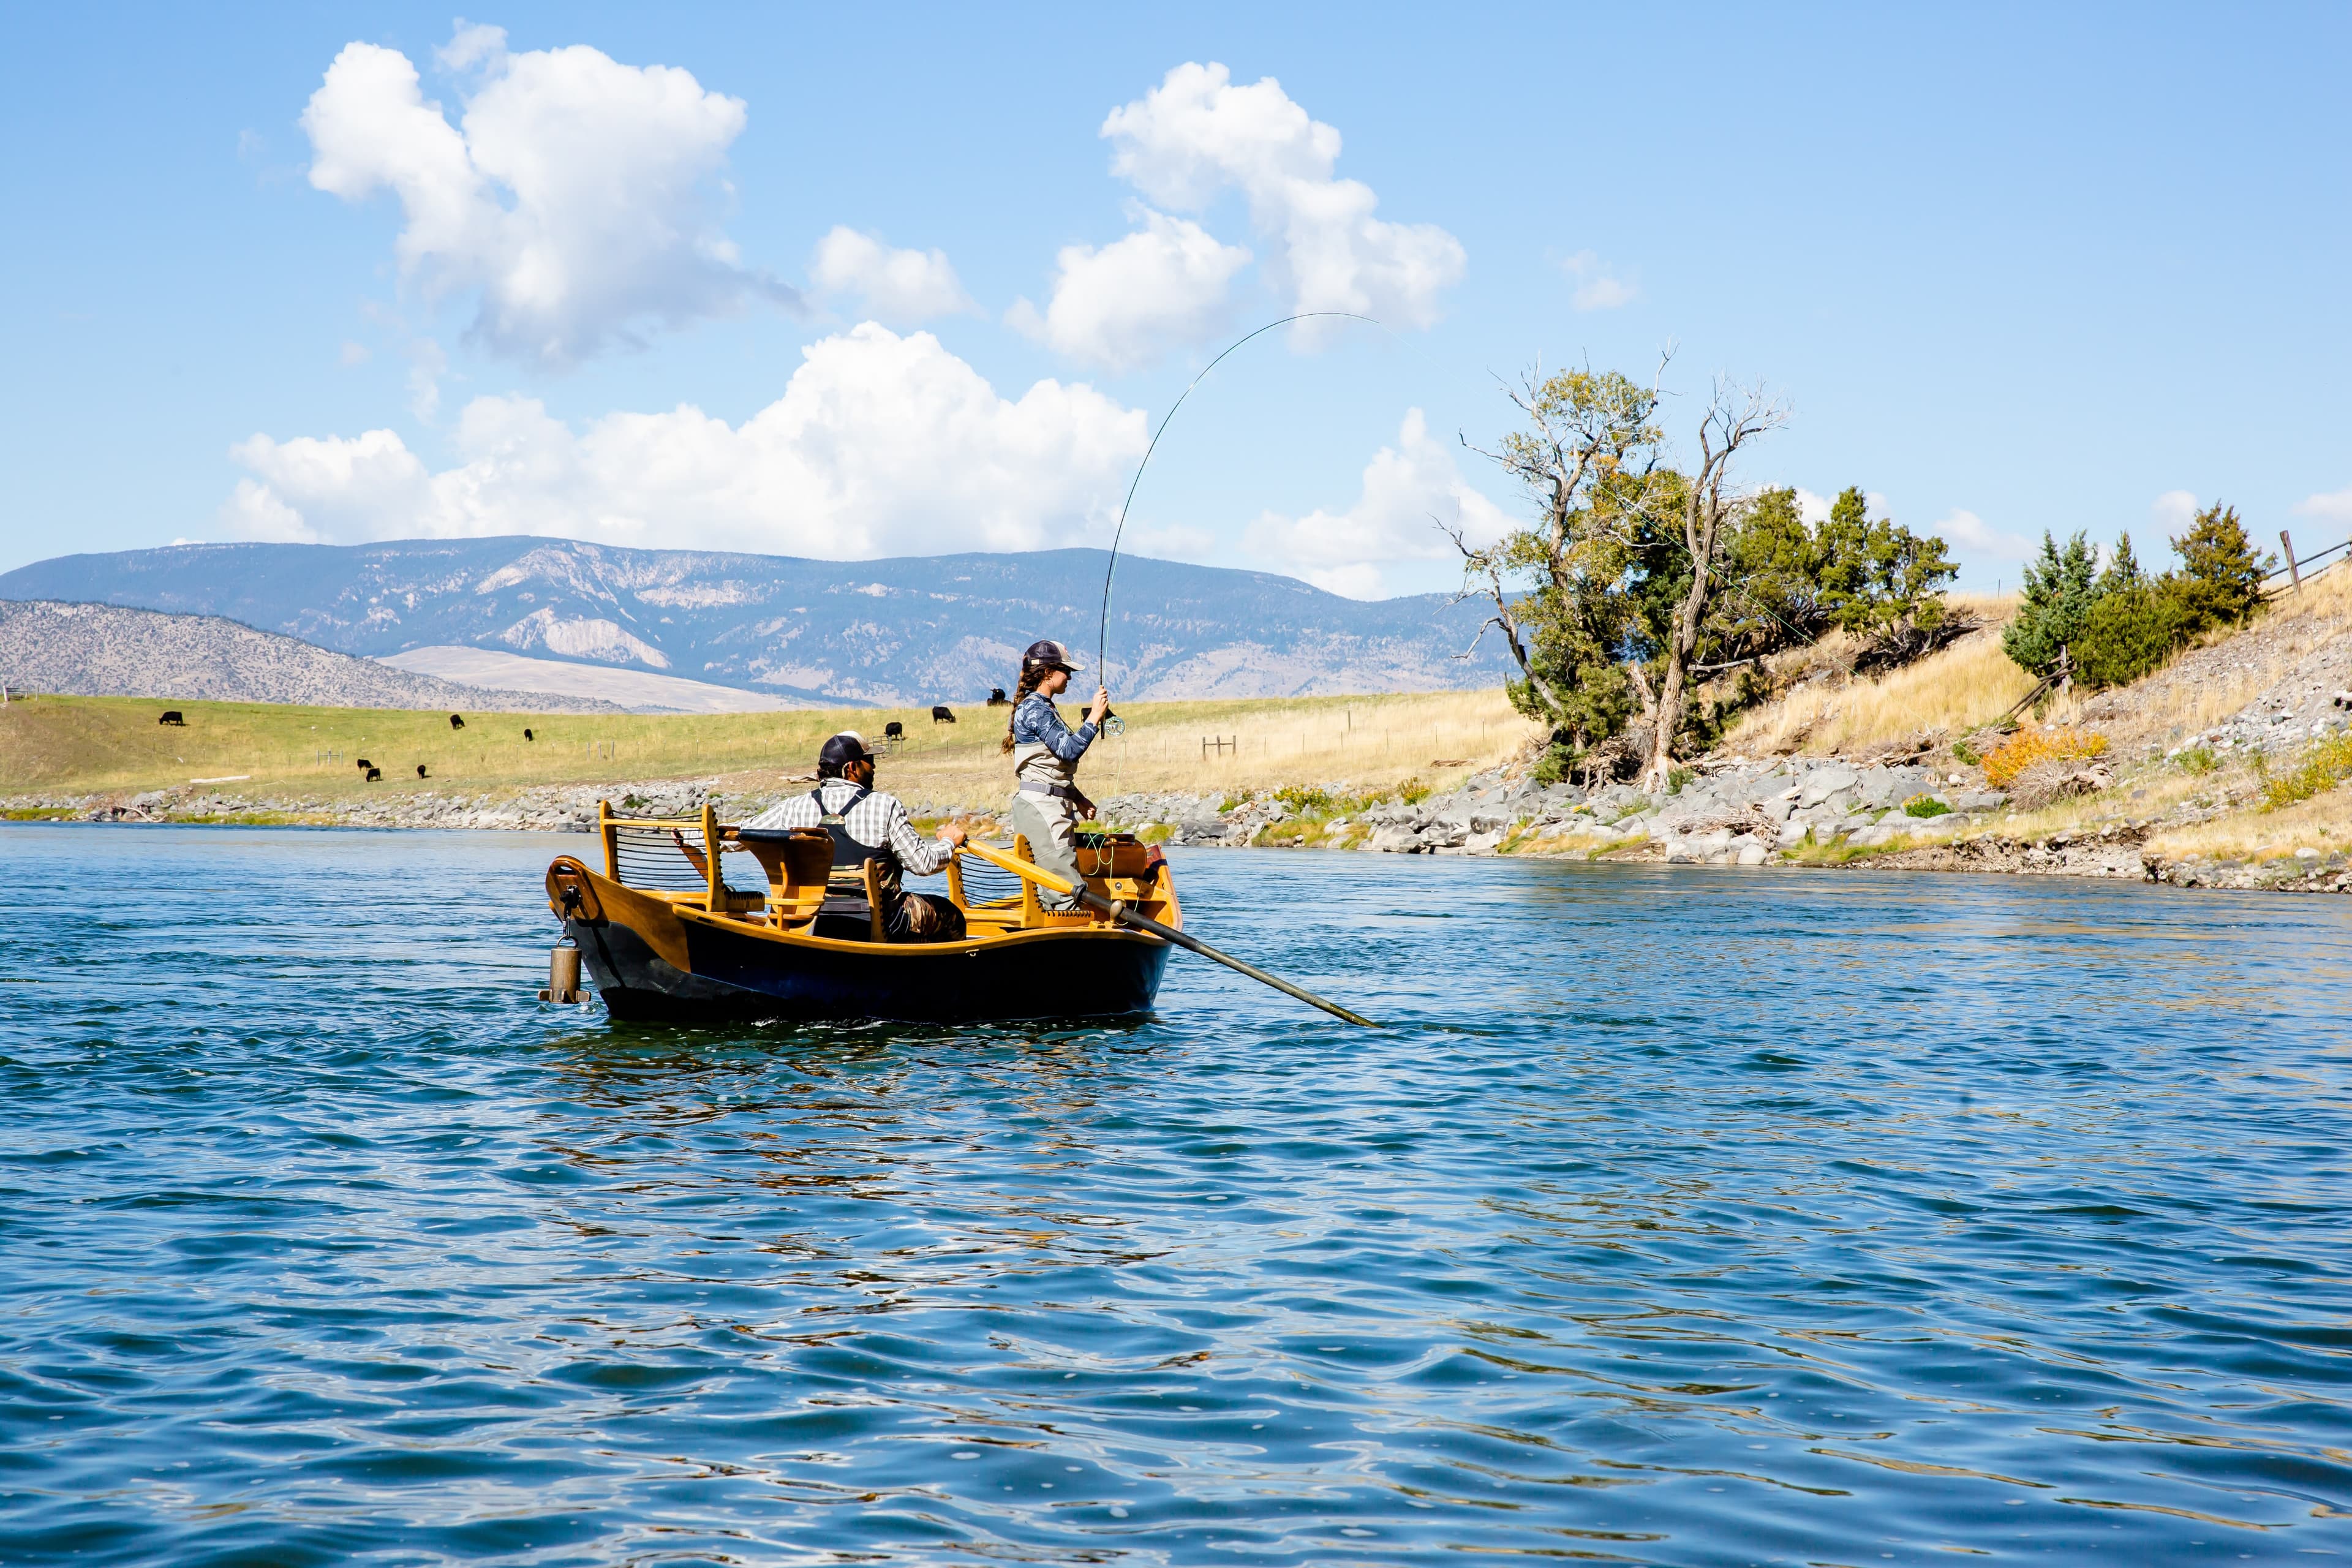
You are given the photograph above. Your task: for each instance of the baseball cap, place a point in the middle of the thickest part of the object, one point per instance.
(1050, 653)
(844, 749)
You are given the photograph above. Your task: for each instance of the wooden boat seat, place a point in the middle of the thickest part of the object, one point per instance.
(796, 861)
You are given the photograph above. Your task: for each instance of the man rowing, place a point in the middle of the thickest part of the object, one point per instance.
(868, 824)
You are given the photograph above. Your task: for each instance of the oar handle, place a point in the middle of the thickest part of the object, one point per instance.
(1120, 912)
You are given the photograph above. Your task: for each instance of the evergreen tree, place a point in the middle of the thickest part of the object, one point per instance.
(2123, 569)
(2221, 577)
(2053, 602)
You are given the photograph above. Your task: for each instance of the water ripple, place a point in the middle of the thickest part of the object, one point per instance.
(1680, 1219)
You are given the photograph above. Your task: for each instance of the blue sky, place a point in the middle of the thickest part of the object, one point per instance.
(2011, 270)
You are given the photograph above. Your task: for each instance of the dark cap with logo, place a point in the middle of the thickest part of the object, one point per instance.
(1050, 654)
(844, 749)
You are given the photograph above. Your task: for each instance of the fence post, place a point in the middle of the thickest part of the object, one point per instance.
(2292, 570)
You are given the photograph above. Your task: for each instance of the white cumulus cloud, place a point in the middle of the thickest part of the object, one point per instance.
(1409, 489)
(1597, 289)
(1124, 304)
(902, 286)
(2174, 510)
(2332, 505)
(573, 198)
(1965, 530)
(1197, 134)
(1184, 145)
(880, 444)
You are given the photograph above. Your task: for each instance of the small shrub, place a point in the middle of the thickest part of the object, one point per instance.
(1304, 801)
(1678, 777)
(2199, 761)
(2027, 747)
(1925, 805)
(2324, 767)
(1412, 792)
(1966, 752)
(1230, 802)
(1555, 765)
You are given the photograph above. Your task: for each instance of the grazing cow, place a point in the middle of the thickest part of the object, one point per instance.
(526, 734)
(996, 697)
(365, 765)
(894, 731)
(456, 720)
(172, 716)
(372, 775)
(942, 716)
(420, 770)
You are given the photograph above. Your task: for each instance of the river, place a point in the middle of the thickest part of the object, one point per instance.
(1679, 1217)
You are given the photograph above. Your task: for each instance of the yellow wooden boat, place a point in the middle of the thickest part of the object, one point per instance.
(695, 919)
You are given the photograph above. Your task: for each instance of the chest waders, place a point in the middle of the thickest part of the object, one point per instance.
(1046, 811)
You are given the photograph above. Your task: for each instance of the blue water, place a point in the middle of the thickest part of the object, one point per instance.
(1681, 1218)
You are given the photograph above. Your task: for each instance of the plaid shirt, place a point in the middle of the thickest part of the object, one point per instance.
(876, 820)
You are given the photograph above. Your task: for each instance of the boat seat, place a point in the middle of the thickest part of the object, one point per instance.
(796, 861)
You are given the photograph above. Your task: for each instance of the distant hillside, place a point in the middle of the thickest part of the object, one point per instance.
(913, 630)
(103, 650)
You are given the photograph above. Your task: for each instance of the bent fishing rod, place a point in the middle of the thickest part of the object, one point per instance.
(1118, 911)
(1102, 627)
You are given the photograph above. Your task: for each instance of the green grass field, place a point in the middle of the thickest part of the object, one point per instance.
(84, 745)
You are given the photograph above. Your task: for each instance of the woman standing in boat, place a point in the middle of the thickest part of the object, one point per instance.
(1045, 753)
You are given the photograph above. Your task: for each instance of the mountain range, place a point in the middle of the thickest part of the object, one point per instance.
(771, 630)
(109, 650)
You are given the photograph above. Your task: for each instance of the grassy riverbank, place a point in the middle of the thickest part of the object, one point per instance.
(93, 745)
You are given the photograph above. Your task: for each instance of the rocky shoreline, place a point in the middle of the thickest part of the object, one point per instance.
(1792, 811)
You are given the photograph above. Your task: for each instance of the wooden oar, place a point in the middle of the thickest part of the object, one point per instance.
(1118, 911)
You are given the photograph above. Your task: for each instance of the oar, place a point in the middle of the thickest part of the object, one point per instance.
(1117, 910)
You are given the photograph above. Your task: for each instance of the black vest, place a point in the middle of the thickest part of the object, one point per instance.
(845, 885)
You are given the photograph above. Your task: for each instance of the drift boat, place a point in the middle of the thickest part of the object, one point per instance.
(678, 928)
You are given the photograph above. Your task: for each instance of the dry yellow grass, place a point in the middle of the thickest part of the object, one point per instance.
(1955, 691)
(99, 745)
(2323, 823)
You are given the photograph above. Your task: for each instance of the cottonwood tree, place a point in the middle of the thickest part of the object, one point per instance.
(1734, 418)
(1588, 458)
(1620, 572)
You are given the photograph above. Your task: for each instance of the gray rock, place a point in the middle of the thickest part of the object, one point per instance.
(1824, 783)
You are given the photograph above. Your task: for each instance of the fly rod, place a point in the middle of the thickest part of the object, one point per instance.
(1102, 628)
(1117, 909)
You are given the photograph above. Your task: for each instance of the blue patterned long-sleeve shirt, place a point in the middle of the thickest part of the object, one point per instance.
(1038, 722)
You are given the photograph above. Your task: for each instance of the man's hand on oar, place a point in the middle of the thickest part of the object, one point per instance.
(1118, 911)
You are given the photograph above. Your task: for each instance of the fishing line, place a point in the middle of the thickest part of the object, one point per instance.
(1102, 628)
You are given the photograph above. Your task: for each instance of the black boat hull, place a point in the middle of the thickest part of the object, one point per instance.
(744, 974)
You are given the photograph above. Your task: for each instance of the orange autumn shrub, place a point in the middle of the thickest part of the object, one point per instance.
(2064, 743)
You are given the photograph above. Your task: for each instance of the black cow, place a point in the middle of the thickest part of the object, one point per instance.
(942, 716)
(456, 720)
(420, 770)
(365, 765)
(996, 697)
(172, 716)
(526, 734)
(372, 775)
(894, 731)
